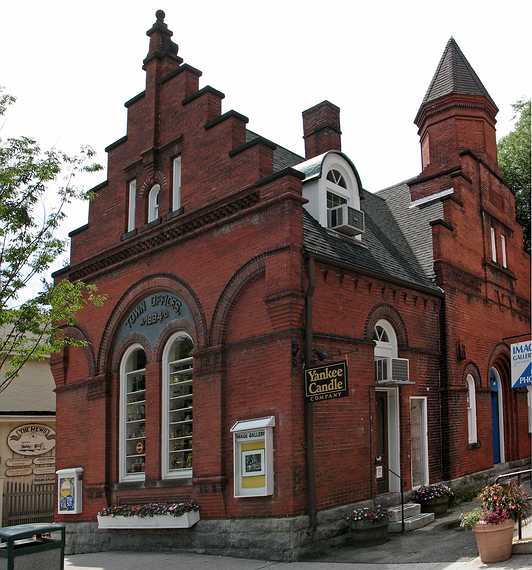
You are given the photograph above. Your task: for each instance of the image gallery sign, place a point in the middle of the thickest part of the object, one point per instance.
(326, 382)
(521, 359)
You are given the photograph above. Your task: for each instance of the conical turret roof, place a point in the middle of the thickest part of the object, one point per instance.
(454, 74)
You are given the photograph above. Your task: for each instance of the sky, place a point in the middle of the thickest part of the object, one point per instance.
(72, 65)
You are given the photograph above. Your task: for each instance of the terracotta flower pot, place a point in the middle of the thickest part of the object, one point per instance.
(365, 533)
(437, 506)
(494, 541)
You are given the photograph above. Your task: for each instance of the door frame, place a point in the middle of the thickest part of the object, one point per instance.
(500, 405)
(425, 436)
(394, 437)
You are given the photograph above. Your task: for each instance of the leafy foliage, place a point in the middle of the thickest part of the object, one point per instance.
(35, 187)
(149, 510)
(507, 497)
(514, 162)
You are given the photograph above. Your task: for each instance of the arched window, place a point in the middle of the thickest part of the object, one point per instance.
(471, 410)
(177, 406)
(132, 447)
(386, 339)
(336, 178)
(153, 203)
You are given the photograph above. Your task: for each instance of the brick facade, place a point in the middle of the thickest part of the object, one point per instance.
(235, 254)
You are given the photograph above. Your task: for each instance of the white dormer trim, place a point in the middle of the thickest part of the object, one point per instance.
(316, 185)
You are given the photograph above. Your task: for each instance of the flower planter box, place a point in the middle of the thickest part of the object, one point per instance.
(437, 506)
(366, 533)
(186, 520)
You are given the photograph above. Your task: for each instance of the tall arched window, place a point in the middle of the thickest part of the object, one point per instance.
(132, 447)
(471, 410)
(153, 203)
(177, 406)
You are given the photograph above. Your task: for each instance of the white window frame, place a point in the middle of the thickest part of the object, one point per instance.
(386, 349)
(493, 245)
(132, 203)
(122, 445)
(153, 203)
(472, 435)
(425, 429)
(168, 473)
(503, 251)
(176, 184)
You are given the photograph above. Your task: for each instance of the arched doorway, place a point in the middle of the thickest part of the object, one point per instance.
(497, 416)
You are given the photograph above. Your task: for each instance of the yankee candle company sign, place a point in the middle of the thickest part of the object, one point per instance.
(326, 382)
(521, 357)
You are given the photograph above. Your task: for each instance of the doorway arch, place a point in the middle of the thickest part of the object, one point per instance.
(497, 416)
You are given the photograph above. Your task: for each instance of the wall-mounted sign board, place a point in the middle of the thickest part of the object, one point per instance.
(326, 382)
(253, 457)
(31, 439)
(18, 471)
(69, 488)
(521, 359)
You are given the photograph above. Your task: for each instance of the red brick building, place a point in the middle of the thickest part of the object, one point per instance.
(230, 263)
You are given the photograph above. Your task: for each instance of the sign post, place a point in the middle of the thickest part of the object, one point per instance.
(521, 359)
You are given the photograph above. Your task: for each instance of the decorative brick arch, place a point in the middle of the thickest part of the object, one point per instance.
(78, 333)
(150, 284)
(250, 271)
(500, 359)
(472, 368)
(119, 350)
(388, 313)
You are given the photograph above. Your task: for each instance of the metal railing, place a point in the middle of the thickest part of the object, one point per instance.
(519, 475)
(402, 496)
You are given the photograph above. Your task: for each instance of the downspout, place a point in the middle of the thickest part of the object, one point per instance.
(308, 419)
(444, 392)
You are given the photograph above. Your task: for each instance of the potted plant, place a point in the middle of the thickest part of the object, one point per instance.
(368, 526)
(493, 522)
(150, 515)
(433, 498)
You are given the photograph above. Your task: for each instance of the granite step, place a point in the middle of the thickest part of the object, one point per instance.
(411, 509)
(412, 523)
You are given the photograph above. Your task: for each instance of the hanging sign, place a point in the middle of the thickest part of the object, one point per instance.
(326, 382)
(521, 357)
(31, 439)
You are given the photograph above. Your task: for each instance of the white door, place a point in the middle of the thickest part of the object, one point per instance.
(419, 442)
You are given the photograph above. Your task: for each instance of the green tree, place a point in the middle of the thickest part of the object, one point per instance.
(514, 162)
(36, 185)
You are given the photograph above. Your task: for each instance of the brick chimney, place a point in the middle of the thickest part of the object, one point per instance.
(321, 129)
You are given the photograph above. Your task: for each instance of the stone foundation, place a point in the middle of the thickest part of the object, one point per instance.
(284, 539)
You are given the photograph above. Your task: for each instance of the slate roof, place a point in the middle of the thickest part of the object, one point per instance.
(282, 157)
(454, 74)
(397, 242)
(384, 250)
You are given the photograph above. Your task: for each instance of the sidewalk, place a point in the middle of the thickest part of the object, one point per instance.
(179, 561)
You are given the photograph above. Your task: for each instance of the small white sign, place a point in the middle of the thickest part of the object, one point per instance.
(31, 439)
(379, 472)
(521, 357)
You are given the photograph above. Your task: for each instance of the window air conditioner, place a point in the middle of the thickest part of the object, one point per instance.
(394, 370)
(346, 220)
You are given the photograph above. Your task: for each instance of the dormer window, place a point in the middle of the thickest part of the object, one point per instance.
(153, 203)
(332, 190)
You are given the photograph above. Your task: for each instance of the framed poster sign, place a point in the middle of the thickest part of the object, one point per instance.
(326, 382)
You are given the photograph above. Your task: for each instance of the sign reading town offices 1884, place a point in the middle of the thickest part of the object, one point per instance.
(326, 382)
(153, 313)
